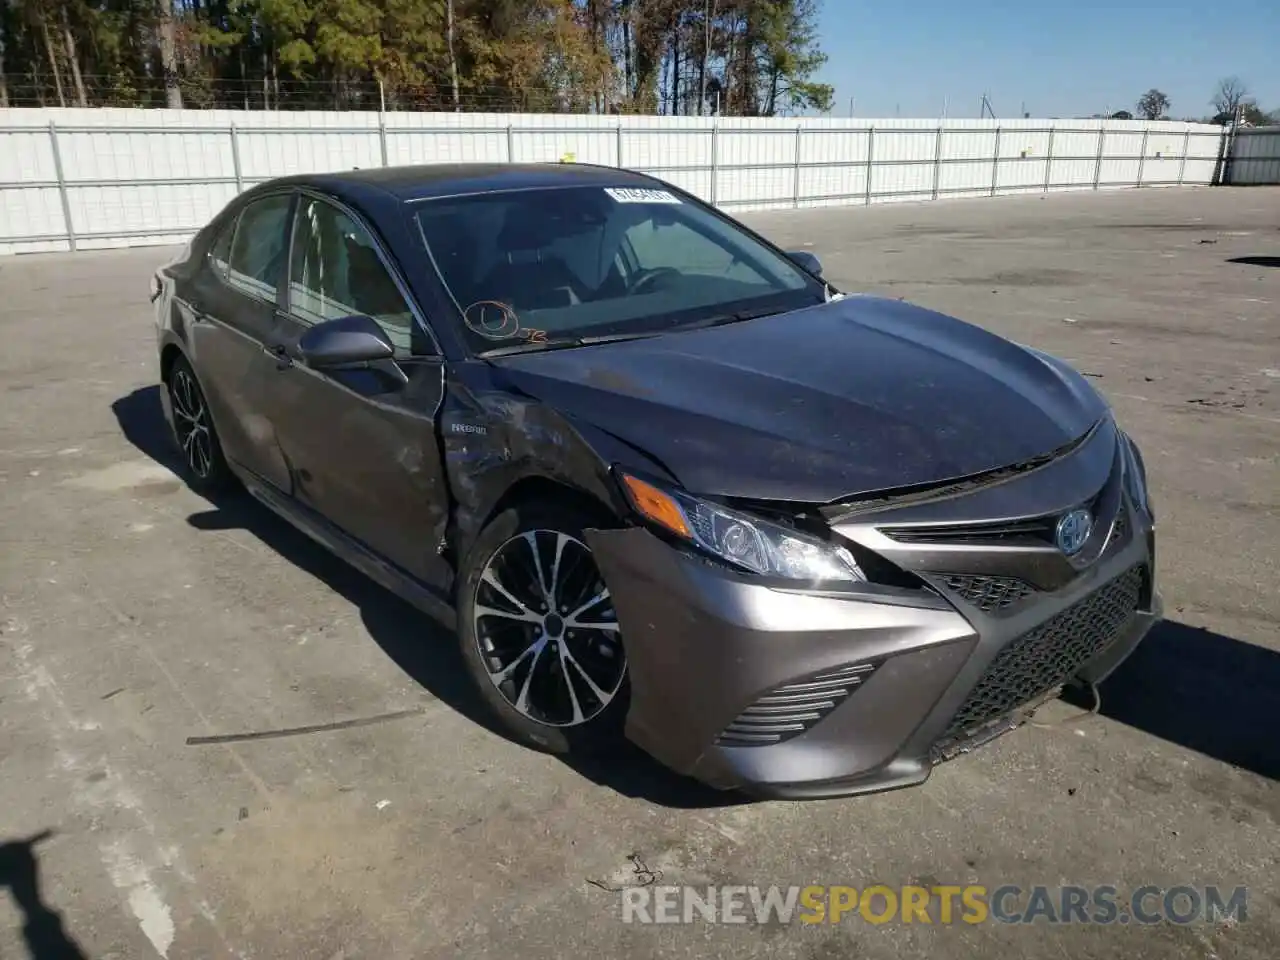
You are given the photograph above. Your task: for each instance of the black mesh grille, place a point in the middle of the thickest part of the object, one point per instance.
(988, 594)
(1047, 656)
(788, 711)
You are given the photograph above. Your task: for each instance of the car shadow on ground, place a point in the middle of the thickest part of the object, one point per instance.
(1202, 690)
(1256, 261)
(1205, 691)
(42, 928)
(420, 647)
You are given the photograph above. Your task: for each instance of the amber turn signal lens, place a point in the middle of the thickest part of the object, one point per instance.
(657, 506)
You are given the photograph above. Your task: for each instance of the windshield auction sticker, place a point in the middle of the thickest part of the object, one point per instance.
(636, 195)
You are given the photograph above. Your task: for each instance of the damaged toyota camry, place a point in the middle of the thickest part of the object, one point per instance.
(662, 479)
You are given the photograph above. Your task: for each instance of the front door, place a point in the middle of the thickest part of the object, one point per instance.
(361, 446)
(233, 302)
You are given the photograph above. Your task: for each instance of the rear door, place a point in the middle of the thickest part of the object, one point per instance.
(362, 447)
(234, 300)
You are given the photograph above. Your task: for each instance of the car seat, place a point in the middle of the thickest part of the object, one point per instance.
(528, 277)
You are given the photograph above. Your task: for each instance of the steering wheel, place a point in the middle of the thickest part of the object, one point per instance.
(648, 278)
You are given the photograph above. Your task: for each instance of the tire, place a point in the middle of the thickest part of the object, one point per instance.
(519, 655)
(198, 446)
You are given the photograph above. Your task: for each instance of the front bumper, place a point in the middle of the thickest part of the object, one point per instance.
(874, 682)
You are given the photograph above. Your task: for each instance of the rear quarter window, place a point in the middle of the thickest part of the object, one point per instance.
(257, 261)
(220, 250)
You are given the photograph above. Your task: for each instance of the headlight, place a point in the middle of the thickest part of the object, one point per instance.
(1135, 475)
(749, 542)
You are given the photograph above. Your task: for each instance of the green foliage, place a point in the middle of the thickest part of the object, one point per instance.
(743, 57)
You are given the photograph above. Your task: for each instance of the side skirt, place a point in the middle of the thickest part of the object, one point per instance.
(337, 541)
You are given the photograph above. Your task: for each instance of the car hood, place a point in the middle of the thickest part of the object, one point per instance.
(858, 395)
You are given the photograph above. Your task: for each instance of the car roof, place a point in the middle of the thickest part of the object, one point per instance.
(427, 181)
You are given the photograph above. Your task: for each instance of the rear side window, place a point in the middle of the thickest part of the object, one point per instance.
(221, 249)
(259, 251)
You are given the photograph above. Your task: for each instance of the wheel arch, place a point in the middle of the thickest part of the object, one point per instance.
(473, 515)
(535, 487)
(169, 355)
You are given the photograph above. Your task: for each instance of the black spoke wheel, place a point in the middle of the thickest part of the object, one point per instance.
(539, 631)
(193, 430)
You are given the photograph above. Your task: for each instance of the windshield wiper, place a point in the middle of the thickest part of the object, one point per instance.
(720, 319)
(560, 343)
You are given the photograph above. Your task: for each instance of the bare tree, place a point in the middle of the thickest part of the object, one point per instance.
(1153, 104)
(1230, 93)
(453, 58)
(168, 55)
(708, 15)
(4, 26)
(73, 58)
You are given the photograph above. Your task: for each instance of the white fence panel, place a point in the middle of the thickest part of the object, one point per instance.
(697, 182)
(965, 177)
(896, 180)
(1118, 171)
(1024, 144)
(407, 146)
(80, 178)
(827, 146)
(37, 212)
(1255, 156)
(1072, 173)
(748, 185)
(841, 184)
(1021, 175)
(968, 144)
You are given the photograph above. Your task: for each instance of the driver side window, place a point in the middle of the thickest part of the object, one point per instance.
(675, 246)
(336, 272)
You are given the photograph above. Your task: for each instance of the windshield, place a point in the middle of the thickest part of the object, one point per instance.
(564, 263)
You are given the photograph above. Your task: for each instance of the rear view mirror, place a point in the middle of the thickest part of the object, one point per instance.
(664, 216)
(806, 261)
(346, 340)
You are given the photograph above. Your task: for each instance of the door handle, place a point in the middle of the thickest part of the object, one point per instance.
(280, 354)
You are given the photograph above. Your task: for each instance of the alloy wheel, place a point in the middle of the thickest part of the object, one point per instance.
(546, 629)
(191, 423)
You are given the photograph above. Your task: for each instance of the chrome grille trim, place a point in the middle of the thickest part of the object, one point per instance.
(1036, 530)
(1119, 529)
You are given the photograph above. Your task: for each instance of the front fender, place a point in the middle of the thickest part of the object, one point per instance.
(492, 439)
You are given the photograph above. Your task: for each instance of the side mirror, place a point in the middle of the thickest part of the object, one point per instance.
(806, 261)
(346, 340)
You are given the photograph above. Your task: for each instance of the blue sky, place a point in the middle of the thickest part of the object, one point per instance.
(1063, 58)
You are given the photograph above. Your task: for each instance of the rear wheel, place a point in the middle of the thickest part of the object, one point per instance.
(539, 632)
(194, 432)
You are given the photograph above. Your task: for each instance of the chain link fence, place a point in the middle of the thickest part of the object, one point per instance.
(286, 94)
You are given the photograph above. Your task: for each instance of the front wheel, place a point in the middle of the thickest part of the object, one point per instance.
(539, 633)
